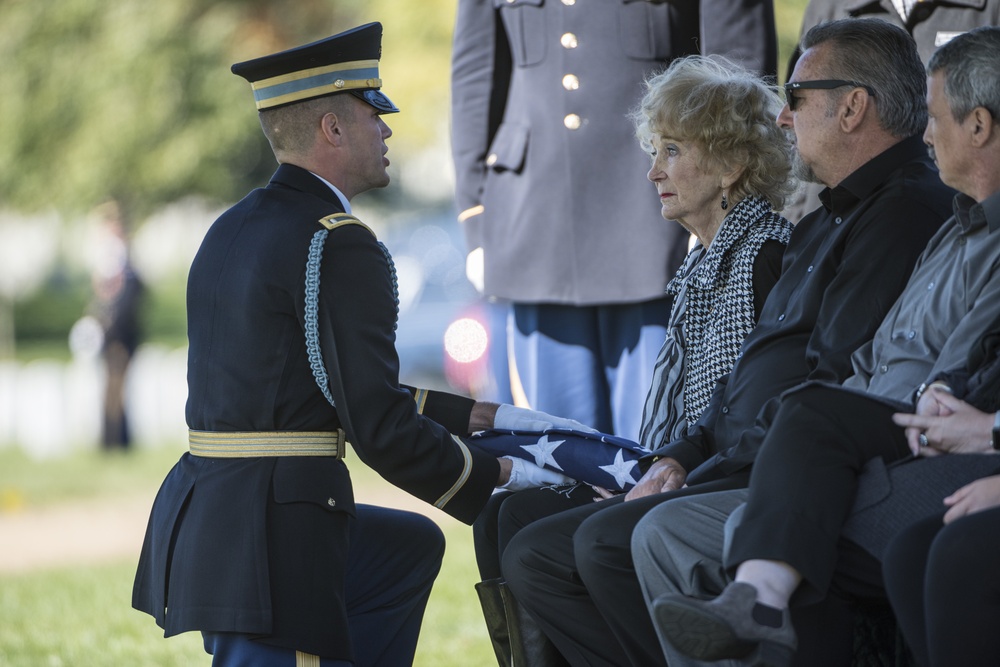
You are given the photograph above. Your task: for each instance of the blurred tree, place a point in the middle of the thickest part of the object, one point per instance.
(134, 100)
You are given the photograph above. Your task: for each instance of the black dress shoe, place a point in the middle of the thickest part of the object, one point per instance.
(725, 628)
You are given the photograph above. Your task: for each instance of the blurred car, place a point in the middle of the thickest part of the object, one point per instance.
(446, 330)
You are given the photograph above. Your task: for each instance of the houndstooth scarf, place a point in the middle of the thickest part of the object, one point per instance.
(712, 313)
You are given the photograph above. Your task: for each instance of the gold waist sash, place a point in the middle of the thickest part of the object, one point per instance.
(251, 444)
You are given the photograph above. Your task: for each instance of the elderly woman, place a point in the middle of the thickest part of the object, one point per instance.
(721, 167)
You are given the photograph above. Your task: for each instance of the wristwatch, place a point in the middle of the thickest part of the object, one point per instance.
(995, 440)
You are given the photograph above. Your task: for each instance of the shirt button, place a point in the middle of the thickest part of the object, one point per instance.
(961, 240)
(491, 160)
(572, 122)
(725, 410)
(571, 82)
(930, 286)
(331, 502)
(810, 269)
(838, 220)
(884, 368)
(781, 317)
(568, 41)
(911, 335)
(569, 3)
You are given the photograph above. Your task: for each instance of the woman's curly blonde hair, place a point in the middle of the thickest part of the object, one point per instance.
(730, 113)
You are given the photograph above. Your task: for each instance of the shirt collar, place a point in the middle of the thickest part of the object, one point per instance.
(972, 215)
(864, 180)
(340, 195)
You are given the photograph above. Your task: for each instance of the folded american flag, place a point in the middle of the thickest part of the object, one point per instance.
(594, 458)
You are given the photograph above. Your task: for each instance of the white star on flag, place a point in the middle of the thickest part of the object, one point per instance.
(621, 470)
(542, 451)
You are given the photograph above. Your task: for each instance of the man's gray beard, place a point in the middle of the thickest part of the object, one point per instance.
(801, 170)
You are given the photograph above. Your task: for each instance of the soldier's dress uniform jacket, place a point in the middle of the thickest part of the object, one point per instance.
(541, 91)
(551, 183)
(258, 545)
(931, 23)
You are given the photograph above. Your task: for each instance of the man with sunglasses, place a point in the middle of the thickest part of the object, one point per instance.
(843, 269)
(930, 23)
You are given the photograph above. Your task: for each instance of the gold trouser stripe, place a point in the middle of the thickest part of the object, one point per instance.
(251, 444)
(306, 659)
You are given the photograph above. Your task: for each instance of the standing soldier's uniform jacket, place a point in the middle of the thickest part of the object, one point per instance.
(550, 179)
(931, 23)
(212, 559)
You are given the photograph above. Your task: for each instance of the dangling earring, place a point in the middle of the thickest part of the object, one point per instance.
(725, 201)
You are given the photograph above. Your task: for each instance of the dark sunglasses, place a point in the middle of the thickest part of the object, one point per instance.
(822, 84)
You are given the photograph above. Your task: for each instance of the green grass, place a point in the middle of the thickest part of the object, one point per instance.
(26, 482)
(82, 616)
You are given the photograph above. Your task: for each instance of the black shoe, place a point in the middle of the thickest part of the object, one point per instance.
(725, 627)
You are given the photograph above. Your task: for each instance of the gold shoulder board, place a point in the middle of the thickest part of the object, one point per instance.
(331, 222)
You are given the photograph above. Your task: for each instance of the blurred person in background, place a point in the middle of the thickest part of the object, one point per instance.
(551, 189)
(118, 296)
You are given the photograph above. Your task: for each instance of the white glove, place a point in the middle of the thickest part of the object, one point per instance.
(513, 418)
(526, 475)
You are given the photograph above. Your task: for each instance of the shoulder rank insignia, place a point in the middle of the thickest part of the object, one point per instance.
(331, 222)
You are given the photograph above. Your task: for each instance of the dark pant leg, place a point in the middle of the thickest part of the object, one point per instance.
(506, 513)
(631, 336)
(963, 592)
(827, 629)
(603, 550)
(484, 537)
(904, 566)
(805, 478)
(554, 349)
(552, 579)
(229, 649)
(393, 560)
(961, 587)
(590, 363)
(526, 507)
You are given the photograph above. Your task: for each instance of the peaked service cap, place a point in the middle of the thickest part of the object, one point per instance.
(344, 63)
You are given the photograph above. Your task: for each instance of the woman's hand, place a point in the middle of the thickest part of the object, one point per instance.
(664, 475)
(979, 495)
(950, 425)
